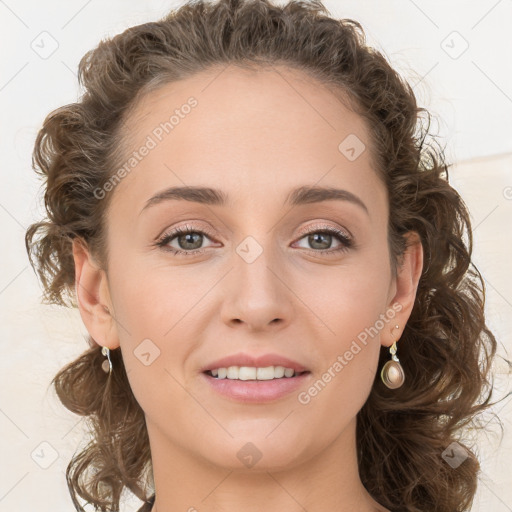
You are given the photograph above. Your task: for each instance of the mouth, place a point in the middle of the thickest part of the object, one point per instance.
(245, 386)
(254, 374)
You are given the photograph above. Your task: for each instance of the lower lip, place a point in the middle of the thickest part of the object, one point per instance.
(254, 391)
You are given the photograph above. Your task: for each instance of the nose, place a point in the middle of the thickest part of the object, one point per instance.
(257, 294)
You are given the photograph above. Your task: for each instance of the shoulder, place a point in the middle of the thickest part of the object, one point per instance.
(148, 505)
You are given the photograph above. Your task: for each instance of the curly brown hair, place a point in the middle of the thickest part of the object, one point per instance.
(448, 348)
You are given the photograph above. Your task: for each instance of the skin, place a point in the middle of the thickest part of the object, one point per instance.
(255, 135)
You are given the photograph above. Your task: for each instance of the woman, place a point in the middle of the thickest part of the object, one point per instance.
(271, 265)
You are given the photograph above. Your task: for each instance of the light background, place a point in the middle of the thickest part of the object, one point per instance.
(468, 89)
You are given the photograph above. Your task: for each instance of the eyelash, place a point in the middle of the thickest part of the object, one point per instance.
(346, 242)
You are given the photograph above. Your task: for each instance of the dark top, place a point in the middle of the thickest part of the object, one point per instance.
(147, 506)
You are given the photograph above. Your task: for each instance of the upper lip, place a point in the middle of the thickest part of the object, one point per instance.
(261, 361)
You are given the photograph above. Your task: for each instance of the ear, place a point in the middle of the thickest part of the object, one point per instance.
(406, 285)
(93, 297)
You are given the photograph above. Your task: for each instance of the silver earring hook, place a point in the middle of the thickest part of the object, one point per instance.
(106, 365)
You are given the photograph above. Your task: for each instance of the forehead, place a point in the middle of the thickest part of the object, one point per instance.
(261, 130)
(269, 94)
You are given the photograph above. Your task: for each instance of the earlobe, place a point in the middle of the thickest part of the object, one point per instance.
(93, 297)
(407, 279)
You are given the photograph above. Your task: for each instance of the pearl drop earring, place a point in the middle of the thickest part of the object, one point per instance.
(392, 373)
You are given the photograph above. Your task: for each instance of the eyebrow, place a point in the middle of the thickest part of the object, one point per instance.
(211, 196)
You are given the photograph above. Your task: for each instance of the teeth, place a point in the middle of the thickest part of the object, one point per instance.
(252, 373)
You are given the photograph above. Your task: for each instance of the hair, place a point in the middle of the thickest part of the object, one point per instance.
(447, 348)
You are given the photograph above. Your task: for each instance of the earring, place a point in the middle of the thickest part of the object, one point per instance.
(392, 373)
(106, 365)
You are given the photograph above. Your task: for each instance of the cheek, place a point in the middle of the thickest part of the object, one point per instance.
(351, 305)
(149, 299)
(347, 299)
(349, 365)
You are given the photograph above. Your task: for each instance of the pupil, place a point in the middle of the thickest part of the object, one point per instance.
(189, 239)
(313, 240)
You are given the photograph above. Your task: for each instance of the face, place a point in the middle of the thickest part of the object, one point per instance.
(265, 271)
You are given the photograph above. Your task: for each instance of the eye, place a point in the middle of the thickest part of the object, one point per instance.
(189, 241)
(320, 239)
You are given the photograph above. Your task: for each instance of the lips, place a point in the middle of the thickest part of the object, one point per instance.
(256, 391)
(262, 361)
